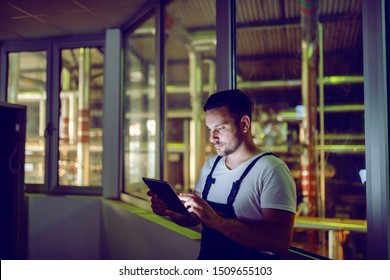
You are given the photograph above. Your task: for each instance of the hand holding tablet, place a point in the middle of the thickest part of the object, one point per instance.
(164, 191)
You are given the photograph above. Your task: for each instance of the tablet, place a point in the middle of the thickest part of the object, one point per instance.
(164, 191)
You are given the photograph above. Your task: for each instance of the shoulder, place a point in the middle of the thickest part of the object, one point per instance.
(208, 165)
(269, 160)
(272, 164)
(206, 169)
(211, 160)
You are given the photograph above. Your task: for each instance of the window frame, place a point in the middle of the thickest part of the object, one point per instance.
(376, 113)
(157, 10)
(53, 57)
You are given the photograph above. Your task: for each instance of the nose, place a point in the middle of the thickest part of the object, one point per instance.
(213, 136)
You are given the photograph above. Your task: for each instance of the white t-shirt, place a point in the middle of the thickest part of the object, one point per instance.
(269, 184)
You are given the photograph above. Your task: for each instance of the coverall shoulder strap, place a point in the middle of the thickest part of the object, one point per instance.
(236, 184)
(210, 180)
(246, 171)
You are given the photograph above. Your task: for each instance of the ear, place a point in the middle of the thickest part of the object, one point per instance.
(245, 124)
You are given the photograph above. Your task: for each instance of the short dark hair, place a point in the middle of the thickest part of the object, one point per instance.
(236, 101)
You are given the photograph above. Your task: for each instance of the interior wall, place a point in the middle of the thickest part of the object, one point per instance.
(61, 227)
(130, 236)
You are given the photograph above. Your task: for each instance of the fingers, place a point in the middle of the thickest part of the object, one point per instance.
(201, 208)
(161, 210)
(151, 194)
(189, 200)
(194, 203)
(187, 196)
(158, 206)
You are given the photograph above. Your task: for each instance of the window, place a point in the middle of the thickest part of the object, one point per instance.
(325, 153)
(140, 130)
(190, 54)
(190, 76)
(81, 114)
(27, 86)
(305, 73)
(63, 91)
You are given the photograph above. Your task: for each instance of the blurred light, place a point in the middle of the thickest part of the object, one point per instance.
(362, 174)
(151, 125)
(135, 129)
(300, 111)
(28, 167)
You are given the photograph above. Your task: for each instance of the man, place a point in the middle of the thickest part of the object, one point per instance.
(245, 199)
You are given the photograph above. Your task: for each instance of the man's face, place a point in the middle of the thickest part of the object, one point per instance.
(223, 131)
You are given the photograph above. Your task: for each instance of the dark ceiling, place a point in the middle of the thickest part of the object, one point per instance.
(269, 34)
(28, 19)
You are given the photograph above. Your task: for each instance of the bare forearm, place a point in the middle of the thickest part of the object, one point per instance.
(185, 221)
(261, 236)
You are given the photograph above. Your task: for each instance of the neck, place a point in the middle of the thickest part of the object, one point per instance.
(244, 152)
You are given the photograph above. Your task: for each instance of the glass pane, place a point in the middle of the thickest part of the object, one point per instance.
(305, 73)
(342, 107)
(27, 86)
(81, 117)
(140, 130)
(190, 65)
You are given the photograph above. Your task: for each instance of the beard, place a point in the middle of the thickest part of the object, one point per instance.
(228, 148)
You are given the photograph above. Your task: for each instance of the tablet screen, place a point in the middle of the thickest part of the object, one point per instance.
(164, 191)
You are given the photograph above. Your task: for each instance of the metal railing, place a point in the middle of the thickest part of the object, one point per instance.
(336, 229)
